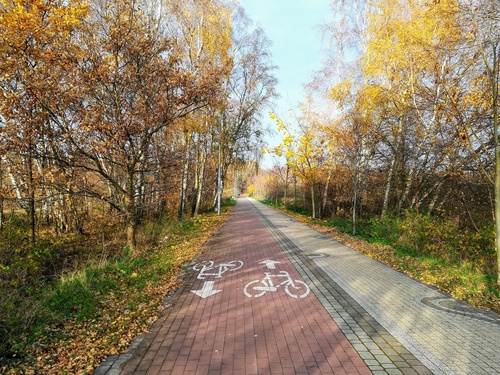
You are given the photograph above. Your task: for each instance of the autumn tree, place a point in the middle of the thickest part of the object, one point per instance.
(356, 134)
(132, 83)
(108, 100)
(344, 36)
(249, 88)
(305, 149)
(36, 40)
(203, 29)
(480, 101)
(422, 90)
(409, 56)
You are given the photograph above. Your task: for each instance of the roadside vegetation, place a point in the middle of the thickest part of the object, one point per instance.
(434, 251)
(62, 319)
(397, 142)
(399, 134)
(121, 125)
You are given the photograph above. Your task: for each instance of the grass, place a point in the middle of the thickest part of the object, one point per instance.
(72, 322)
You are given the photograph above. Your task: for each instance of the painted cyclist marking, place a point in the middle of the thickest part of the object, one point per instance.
(294, 288)
(208, 268)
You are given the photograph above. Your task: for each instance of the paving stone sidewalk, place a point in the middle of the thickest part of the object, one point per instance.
(272, 296)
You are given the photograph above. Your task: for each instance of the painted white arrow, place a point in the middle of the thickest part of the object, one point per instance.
(270, 264)
(207, 290)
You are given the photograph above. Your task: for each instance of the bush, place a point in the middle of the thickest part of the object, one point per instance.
(343, 225)
(297, 208)
(383, 230)
(417, 234)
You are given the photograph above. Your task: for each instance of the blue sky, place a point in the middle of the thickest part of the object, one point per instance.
(293, 26)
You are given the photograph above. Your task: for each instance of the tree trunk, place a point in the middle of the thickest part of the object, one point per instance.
(385, 205)
(325, 193)
(285, 197)
(1, 196)
(31, 196)
(406, 193)
(356, 183)
(219, 189)
(494, 82)
(313, 201)
(294, 193)
(354, 208)
(493, 70)
(200, 174)
(131, 214)
(132, 235)
(200, 178)
(276, 192)
(497, 196)
(77, 220)
(184, 178)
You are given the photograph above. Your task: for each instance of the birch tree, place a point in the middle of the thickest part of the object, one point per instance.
(305, 149)
(481, 20)
(410, 57)
(249, 89)
(203, 29)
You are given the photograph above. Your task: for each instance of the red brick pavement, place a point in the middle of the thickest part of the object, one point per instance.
(231, 333)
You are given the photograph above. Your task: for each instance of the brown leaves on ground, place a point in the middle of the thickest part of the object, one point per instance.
(83, 345)
(78, 347)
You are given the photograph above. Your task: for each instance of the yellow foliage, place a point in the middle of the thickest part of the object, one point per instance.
(251, 190)
(207, 27)
(341, 91)
(403, 36)
(303, 146)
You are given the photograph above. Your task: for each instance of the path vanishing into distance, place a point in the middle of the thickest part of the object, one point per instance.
(269, 295)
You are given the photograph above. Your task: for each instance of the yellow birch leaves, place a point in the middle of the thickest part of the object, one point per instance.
(303, 145)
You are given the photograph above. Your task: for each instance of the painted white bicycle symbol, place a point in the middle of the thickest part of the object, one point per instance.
(206, 267)
(294, 288)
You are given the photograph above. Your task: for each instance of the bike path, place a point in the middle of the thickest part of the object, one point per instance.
(214, 325)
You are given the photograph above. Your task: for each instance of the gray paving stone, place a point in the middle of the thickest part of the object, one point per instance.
(388, 366)
(394, 372)
(366, 355)
(383, 359)
(360, 347)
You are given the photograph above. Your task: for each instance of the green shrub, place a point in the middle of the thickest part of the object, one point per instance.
(383, 230)
(417, 234)
(423, 234)
(343, 225)
(73, 297)
(41, 287)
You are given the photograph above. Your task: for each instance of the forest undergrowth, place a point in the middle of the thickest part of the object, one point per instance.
(67, 304)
